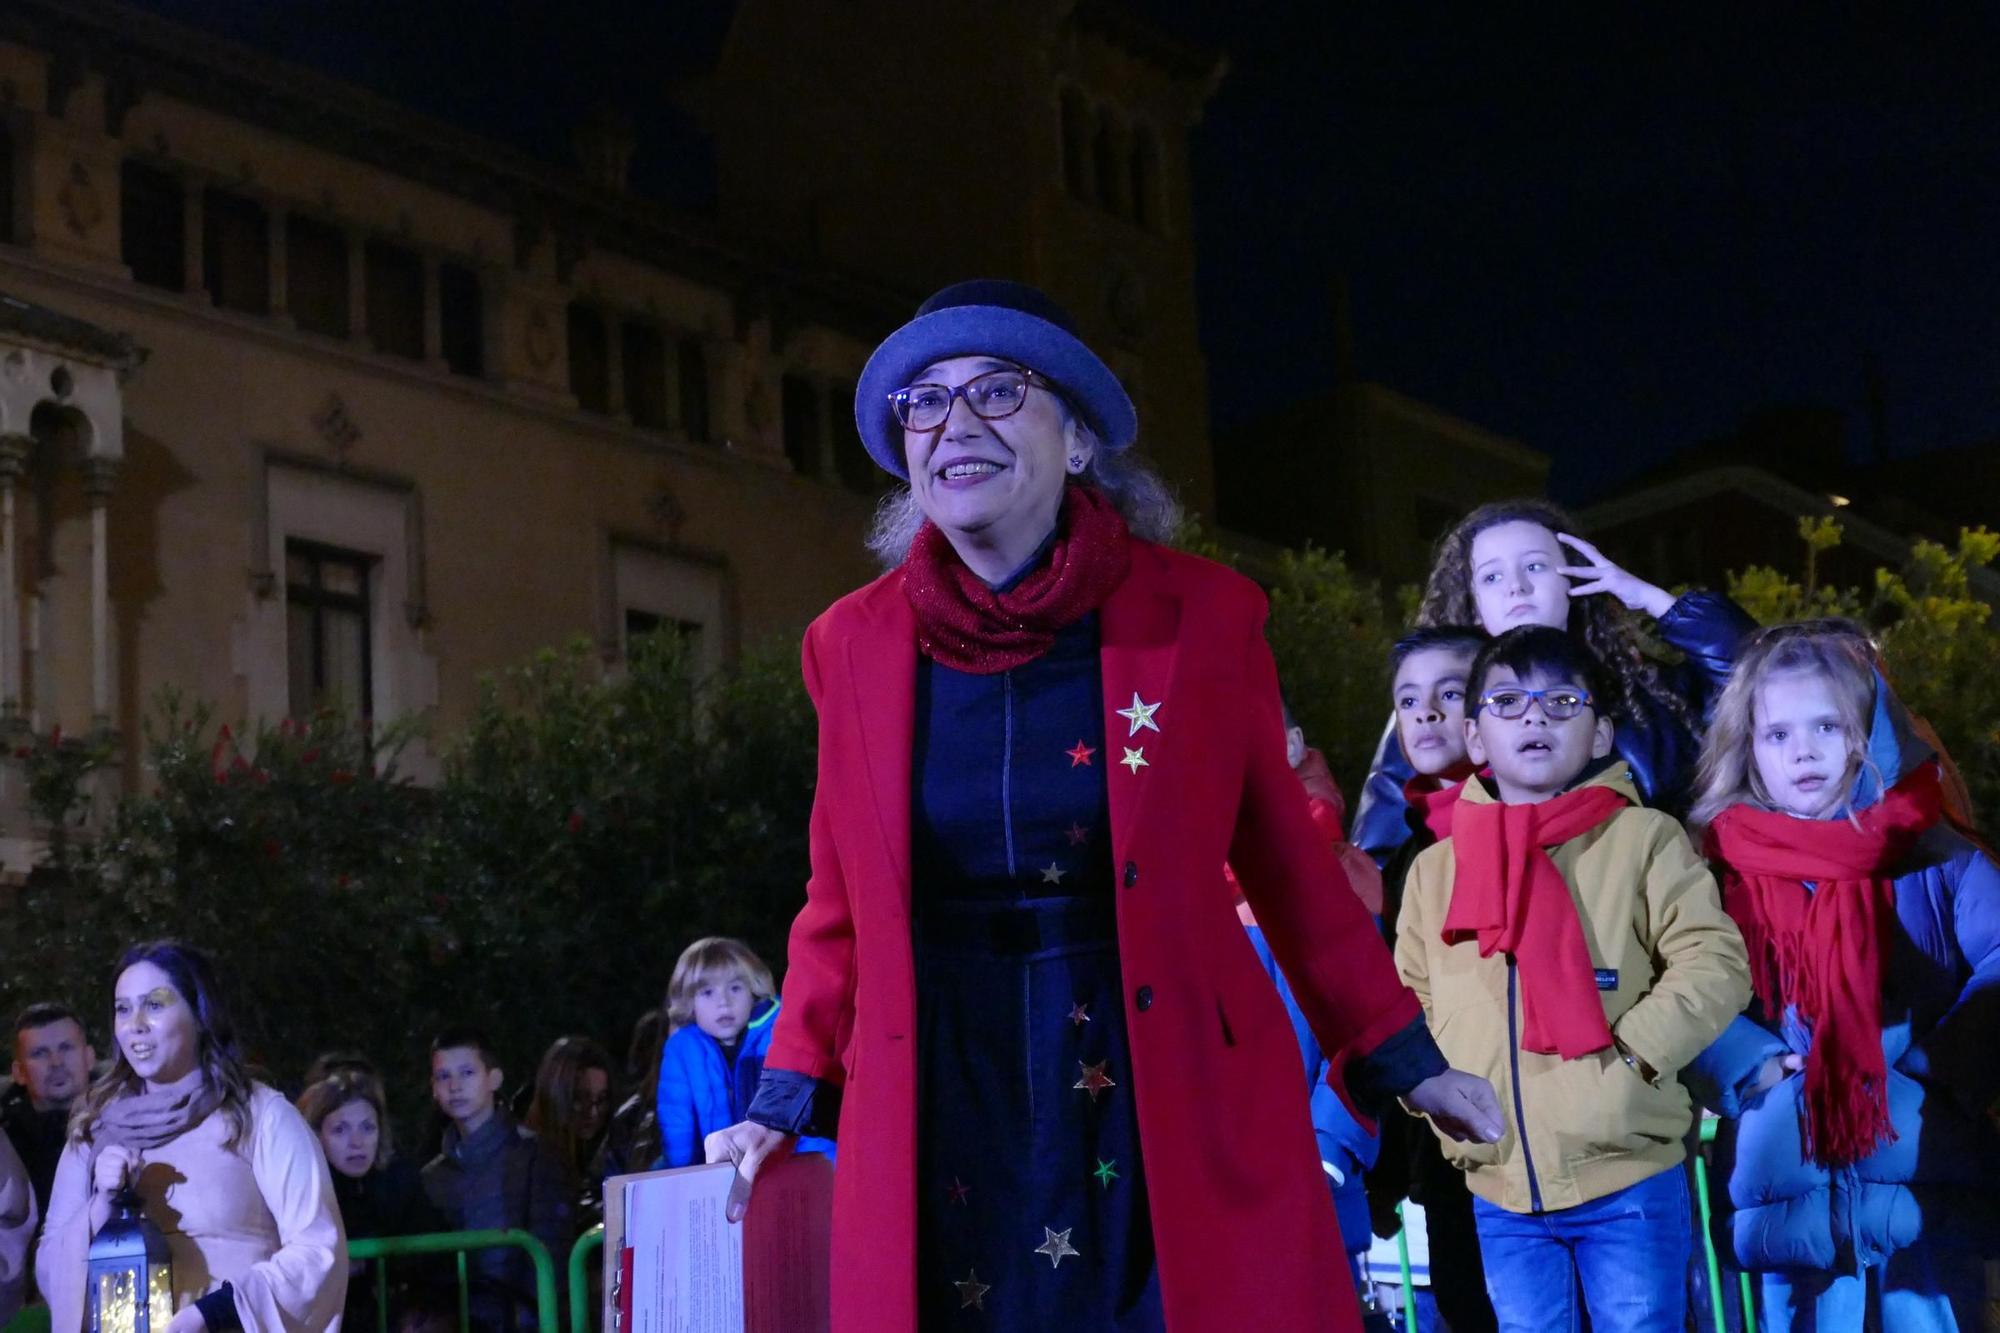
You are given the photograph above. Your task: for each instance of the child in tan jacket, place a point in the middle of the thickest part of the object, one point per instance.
(1570, 945)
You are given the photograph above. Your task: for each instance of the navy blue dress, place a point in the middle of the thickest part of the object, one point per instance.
(1031, 1205)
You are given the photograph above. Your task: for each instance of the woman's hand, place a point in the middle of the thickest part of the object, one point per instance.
(1460, 1104)
(115, 1165)
(749, 1145)
(188, 1320)
(1602, 575)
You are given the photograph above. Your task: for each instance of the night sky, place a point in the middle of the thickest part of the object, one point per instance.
(1608, 231)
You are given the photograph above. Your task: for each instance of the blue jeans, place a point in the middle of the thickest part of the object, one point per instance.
(1628, 1251)
(1916, 1290)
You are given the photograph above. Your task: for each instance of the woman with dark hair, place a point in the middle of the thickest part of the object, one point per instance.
(224, 1166)
(377, 1188)
(1060, 1081)
(1519, 562)
(571, 1113)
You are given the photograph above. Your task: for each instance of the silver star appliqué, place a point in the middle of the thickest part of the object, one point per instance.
(1140, 715)
(1057, 1246)
(1135, 759)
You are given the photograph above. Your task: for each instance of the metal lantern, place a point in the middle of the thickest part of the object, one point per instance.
(131, 1271)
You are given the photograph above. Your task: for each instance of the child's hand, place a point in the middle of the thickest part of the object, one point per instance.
(1776, 1070)
(1602, 575)
(1460, 1104)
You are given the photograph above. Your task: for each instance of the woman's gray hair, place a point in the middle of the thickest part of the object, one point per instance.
(1140, 495)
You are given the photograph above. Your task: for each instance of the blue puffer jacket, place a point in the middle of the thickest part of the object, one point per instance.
(702, 1091)
(1940, 1179)
(1660, 748)
(1343, 1144)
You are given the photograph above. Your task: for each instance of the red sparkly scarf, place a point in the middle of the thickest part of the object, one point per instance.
(1822, 948)
(965, 625)
(1435, 802)
(1508, 894)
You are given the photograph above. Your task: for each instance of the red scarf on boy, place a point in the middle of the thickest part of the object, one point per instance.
(1435, 802)
(965, 625)
(1508, 894)
(1821, 948)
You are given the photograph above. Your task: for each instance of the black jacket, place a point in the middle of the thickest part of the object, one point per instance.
(534, 1196)
(38, 1136)
(389, 1201)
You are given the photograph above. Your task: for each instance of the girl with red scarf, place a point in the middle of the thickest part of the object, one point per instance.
(1859, 1148)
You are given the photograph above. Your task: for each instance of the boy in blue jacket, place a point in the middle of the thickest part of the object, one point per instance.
(720, 1010)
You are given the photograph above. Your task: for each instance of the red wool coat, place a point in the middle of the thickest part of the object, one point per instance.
(1242, 1220)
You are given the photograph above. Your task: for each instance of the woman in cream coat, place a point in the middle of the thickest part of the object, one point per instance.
(225, 1167)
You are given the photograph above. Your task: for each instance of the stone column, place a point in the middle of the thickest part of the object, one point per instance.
(193, 238)
(357, 287)
(433, 316)
(98, 473)
(614, 364)
(14, 453)
(279, 262)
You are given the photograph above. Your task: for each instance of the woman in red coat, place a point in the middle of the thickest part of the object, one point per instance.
(1063, 1088)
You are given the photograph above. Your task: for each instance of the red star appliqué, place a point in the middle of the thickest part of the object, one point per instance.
(957, 1190)
(1094, 1081)
(1080, 756)
(1078, 835)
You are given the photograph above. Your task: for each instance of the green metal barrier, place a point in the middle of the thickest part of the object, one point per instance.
(587, 1244)
(1745, 1291)
(459, 1243)
(1403, 1263)
(30, 1319)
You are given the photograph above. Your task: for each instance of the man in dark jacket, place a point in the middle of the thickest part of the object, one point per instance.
(52, 1060)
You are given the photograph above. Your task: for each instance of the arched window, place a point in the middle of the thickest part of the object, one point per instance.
(1076, 144)
(1147, 208)
(1109, 159)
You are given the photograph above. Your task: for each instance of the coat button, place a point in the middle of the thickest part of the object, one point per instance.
(1131, 873)
(1144, 999)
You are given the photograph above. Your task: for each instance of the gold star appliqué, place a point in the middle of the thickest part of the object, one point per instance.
(1079, 1013)
(1057, 1246)
(972, 1292)
(1135, 759)
(1079, 756)
(1140, 715)
(1094, 1080)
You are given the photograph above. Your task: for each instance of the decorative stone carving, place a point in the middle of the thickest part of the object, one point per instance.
(540, 343)
(78, 199)
(336, 427)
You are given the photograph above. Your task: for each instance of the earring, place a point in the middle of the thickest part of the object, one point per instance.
(1076, 462)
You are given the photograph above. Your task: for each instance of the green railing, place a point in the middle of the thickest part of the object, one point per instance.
(35, 1318)
(1746, 1292)
(460, 1243)
(589, 1243)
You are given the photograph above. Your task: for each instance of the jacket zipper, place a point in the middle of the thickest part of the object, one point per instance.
(1007, 769)
(1520, 1115)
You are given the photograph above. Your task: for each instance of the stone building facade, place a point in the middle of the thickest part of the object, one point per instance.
(304, 397)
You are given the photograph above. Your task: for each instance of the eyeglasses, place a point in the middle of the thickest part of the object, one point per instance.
(992, 396)
(1558, 705)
